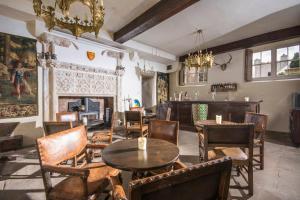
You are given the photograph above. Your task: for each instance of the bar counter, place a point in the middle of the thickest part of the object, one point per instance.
(230, 111)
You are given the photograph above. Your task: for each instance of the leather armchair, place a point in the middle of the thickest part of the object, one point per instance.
(86, 180)
(208, 180)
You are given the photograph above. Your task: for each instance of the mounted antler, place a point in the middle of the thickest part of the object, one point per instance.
(224, 65)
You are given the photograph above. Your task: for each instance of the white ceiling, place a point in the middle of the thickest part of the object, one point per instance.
(118, 13)
(218, 18)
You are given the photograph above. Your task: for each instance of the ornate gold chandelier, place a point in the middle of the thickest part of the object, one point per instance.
(57, 13)
(199, 60)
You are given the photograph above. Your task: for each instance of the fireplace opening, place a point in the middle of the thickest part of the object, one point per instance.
(98, 110)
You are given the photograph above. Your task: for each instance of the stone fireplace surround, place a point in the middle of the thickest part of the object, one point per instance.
(62, 79)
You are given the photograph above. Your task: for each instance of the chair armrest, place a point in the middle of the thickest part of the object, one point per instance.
(67, 170)
(118, 190)
(96, 146)
(179, 165)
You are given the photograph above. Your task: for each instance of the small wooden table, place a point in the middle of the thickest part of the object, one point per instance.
(125, 155)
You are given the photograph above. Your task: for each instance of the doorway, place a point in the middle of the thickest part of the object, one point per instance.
(148, 91)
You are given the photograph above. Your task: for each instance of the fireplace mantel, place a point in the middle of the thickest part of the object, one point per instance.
(68, 79)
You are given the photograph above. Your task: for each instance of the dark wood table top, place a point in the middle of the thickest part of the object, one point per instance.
(125, 155)
(202, 123)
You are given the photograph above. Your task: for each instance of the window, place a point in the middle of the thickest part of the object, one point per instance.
(275, 63)
(287, 61)
(261, 64)
(191, 76)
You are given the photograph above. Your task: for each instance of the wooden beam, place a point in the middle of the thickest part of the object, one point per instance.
(274, 36)
(161, 11)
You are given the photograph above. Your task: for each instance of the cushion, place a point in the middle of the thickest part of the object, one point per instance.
(72, 188)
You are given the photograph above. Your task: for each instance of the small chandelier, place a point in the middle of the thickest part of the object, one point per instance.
(199, 60)
(57, 13)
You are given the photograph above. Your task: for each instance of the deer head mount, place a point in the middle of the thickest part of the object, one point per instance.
(224, 65)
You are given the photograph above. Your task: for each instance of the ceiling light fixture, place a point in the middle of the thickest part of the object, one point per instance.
(58, 13)
(199, 60)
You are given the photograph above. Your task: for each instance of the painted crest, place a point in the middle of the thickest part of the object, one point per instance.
(90, 55)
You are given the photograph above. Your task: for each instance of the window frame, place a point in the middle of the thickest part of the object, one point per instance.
(273, 47)
(183, 77)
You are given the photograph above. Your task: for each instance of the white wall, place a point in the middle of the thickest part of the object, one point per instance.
(30, 127)
(276, 95)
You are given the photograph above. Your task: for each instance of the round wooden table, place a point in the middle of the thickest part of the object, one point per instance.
(125, 155)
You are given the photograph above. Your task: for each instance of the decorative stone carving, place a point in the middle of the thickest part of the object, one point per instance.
(67, 79)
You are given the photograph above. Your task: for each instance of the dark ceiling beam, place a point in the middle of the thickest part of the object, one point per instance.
(161, 11)
(274, 36)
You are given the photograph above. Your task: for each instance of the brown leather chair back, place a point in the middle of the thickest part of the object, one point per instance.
(208, 180)
(133, 116)
(165, 130)
(56, 148)
(223, 135)
(55, 127)
(259, 120)
(67, 117)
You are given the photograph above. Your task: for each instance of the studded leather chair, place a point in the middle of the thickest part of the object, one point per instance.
(231, 140)
(203, 181)
(84, 181)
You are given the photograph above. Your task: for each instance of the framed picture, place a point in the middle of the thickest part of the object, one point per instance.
(162, 87)
(18, 76)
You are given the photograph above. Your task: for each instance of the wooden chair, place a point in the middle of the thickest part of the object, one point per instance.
(203, 181)
(168, 115)
(55, 127)
(165, 130)
(134, 123)
(105, 136)
(260, 122)
(84, 181)
(67, 117)
(231, 140)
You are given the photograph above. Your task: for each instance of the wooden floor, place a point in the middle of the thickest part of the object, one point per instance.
(21, 179)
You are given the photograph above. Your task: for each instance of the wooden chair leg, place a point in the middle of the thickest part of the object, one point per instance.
(261, 158)
(250, 179)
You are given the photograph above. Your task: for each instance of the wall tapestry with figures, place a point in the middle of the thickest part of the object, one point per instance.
(162, 87)
(18, 77)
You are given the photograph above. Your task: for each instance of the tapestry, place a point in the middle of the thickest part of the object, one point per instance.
(18, 76)
(162, 87)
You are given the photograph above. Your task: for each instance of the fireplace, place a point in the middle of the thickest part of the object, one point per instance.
(85, 107)
(94, 108)
(68, 82)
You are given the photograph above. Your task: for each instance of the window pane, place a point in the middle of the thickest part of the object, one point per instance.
(192, 78)
(256, 59)
(282, 67)
(266, 56)
(256, 71)
(293, 52)
(282, 54)
(265, 70)
(291, 68)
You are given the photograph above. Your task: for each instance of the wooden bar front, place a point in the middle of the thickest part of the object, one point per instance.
(230, 111)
